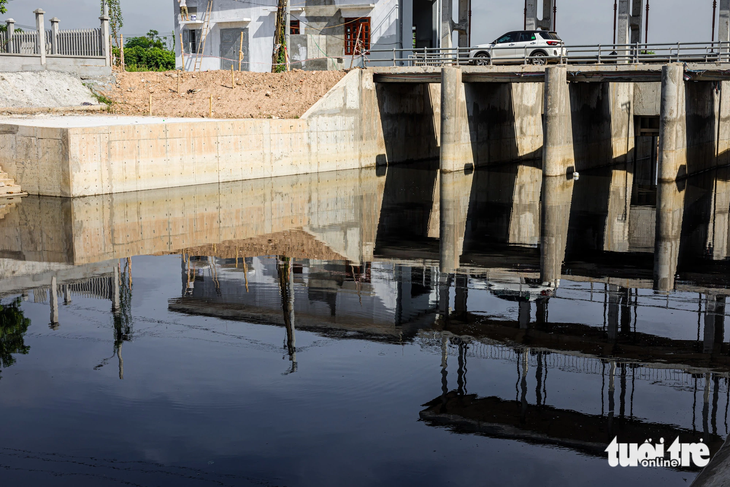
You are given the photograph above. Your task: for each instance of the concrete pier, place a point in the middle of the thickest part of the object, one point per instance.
(557, 195)
(455, 196)
(672, 124)
(669, 218)
(456, 151)
(54, 301)
(558, 135)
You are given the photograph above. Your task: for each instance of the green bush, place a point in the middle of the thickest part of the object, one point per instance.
(146, 54)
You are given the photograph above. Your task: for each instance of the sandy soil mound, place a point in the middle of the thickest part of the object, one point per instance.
(256, 95)
(43, 89)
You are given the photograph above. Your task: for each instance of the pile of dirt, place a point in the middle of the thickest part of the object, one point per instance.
(255, 95)
(291, 243)
(43, 89)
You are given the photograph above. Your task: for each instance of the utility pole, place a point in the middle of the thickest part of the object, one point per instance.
(615, 14)
(288, 33)
(646, 28)
(525, 23)
(555, 16)
(714, 16)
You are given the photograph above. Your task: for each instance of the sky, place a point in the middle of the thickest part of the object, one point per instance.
(579, 21)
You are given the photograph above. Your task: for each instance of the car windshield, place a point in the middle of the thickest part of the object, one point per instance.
(550, 36)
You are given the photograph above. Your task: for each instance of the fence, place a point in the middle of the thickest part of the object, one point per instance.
(86, 42)
(693, 52)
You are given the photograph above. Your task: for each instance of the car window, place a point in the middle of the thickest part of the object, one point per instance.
(509, 37)
(550, 36)
(527, 36)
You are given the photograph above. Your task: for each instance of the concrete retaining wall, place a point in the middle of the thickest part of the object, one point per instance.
(82, 67)
(89, 156)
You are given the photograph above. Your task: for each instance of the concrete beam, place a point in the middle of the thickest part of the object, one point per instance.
(557, 131)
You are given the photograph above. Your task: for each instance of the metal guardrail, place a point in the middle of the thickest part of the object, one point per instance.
(690, 52)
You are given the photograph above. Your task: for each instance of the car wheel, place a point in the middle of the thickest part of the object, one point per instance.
(481, 59)
(538, 58)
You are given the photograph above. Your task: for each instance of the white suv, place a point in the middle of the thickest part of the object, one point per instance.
(537, 46)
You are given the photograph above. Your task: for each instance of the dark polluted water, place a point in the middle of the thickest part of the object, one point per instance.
(363, 328)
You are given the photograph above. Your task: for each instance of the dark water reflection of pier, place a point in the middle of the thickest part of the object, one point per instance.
(607, 282)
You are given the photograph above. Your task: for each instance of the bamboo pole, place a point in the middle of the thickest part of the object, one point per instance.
(150, 104)
(121, 52)
(240, 52)
(211, 106)
(178, 84)
(233, 79)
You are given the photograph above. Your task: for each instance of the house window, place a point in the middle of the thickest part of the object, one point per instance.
(357, 36)
(294, 27)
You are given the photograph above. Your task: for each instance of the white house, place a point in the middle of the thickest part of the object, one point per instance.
(324, 33)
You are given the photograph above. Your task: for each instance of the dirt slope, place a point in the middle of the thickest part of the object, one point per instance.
(256, 95)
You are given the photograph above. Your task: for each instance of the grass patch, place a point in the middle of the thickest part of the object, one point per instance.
(99, 97)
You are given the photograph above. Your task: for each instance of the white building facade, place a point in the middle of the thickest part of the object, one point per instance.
(325, 34)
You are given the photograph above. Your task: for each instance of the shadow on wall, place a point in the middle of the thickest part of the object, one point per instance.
(410, 115)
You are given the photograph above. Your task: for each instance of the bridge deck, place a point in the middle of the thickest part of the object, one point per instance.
(635, 73)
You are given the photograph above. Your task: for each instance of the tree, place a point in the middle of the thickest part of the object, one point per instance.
(116, 21)
(278, 58)
(3, 8)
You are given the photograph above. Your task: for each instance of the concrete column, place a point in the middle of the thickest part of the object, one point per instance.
(533, 22)
(613, 312)
(444, 294)
(54, 35)
(407, 30)
(455, 192)
(557, 155)
(672, 124)
(669, 217)
(623, 31)
(531, 15)
(10, 24)
(464, 25)
(523, 314)
(636, 24)
(547, 15)
(456, 149)
(54, 301)
(724, 27)
(447, 24)
(105, 38)
(462, 295)
(66, 296)
(557, 195)
(714, 323)
(116, 297)
(40, 27)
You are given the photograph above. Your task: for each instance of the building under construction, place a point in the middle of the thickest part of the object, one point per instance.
(218, 34)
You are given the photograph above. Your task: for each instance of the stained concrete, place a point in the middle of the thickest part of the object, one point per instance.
(77, 157)
(43, 90)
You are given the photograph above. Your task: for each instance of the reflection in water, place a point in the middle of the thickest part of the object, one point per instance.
(521, 308)
(13, 325)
